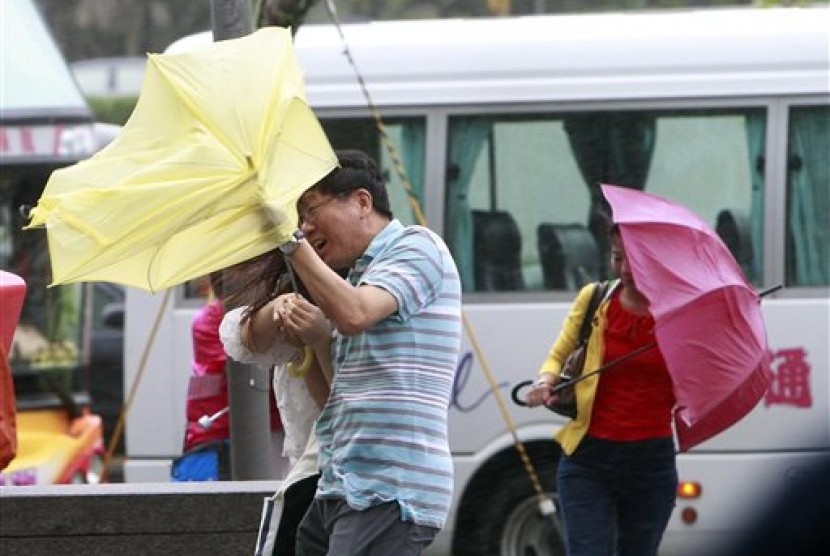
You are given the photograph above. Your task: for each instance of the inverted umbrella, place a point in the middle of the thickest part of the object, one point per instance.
(708, 320)
(219, 136)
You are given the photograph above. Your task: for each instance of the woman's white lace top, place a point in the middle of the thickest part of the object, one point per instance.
(298, 410)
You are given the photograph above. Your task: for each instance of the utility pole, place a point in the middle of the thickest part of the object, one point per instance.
(249, 387)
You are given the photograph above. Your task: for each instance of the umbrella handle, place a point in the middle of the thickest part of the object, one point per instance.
(514, 394)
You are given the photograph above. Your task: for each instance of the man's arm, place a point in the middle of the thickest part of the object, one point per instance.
(351, 309)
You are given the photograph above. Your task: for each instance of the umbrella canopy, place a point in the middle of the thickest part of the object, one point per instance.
(218, 134)
(708, 319)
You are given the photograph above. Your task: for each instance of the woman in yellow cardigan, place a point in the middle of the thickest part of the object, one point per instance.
(617, 476)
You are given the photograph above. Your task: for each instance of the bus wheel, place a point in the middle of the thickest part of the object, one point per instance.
(529, 531)
(500, 513)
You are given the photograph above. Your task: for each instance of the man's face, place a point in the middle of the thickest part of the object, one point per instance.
(331, 225)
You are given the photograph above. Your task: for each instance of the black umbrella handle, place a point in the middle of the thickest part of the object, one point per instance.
(514, 394)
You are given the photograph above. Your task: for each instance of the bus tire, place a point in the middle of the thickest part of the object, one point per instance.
(500, 513)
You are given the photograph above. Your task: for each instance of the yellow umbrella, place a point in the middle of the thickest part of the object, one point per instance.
(219, 135)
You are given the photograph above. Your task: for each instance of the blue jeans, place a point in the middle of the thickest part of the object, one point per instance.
(616, 497)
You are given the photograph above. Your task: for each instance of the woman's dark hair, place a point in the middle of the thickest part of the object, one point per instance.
(614, 230)
(217, 284)
(257, 281)
(356, 170)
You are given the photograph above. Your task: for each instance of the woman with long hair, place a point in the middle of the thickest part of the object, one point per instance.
(295, 344)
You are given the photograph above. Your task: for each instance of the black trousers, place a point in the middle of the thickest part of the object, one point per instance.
(296, 501)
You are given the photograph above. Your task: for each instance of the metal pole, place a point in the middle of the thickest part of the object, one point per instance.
(252, 457)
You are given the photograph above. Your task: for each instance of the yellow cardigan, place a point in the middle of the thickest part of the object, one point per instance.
(571, 434)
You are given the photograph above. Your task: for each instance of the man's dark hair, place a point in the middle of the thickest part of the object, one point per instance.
(356, 170)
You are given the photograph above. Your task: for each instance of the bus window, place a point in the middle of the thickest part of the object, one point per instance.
(523, 206)
(506, 176)
(408, 137)
(808, 197)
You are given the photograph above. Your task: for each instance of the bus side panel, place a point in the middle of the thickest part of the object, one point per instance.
(156, 418)
(795, 412)
(514, 340)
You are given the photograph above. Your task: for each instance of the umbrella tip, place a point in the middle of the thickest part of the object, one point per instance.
(770, 290)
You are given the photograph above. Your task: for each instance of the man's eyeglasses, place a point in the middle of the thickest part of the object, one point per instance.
(309, 214)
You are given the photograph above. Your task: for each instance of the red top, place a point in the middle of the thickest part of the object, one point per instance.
(634, 398)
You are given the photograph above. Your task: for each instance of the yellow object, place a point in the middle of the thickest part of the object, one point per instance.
(300, 370)
(574, 431)
(53, 448)
(218, 134)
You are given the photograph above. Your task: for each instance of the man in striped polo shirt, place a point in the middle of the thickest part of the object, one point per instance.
(386, 469)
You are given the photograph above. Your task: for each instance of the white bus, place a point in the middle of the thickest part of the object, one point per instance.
(505, 128)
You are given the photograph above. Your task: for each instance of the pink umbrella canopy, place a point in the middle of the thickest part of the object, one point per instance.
(708, 319)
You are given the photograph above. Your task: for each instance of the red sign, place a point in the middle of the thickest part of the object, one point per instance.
(49, 141)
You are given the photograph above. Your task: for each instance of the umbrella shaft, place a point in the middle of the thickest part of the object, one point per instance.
(291, 274)
(565, 383)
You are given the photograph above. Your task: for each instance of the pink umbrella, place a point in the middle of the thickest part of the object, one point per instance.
(708, 318)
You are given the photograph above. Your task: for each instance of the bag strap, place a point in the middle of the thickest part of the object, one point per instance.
(596, 297)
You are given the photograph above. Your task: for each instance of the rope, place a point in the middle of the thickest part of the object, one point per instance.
(545, 505)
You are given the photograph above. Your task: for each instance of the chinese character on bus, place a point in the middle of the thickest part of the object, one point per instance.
(791, 379)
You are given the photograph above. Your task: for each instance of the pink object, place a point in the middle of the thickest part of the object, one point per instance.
(12, 292)
(708, 317)
(208, 353)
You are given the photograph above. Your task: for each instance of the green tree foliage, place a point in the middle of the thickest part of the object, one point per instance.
(283, 13)
(416, 9)
(104, 28)
(112, 110)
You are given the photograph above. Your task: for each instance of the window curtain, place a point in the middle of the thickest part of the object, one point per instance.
(756, 143)
(467, 138)
(613, 148)
(413, 151)
(809, 196)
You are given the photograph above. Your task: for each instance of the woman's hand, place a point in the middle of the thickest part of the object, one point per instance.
(542, 392)
(301, 322)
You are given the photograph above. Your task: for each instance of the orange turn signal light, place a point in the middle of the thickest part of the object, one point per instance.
(689, 489)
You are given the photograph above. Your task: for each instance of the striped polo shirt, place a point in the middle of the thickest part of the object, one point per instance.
(383, 433)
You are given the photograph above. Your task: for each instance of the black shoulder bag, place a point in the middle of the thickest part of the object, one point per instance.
(574, 365)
